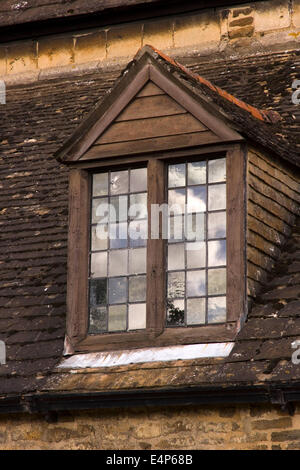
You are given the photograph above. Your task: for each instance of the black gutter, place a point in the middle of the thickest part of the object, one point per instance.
(106, 17)
(44, 403)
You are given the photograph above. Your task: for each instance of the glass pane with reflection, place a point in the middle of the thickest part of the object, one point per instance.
(176, 285)
(216, 281)
(196, 251)
(216, 309)
(176, 175)
(118, 239)
(196, 173)
(117, 290)
(138, 180)
(98, 320)
(137, 288)
(175, 312)
(119, 182)
(196, 311)
(217, 225)
(216, 197)
(176, 257)
(137, 316)
(217, 170)
(117, 317)
(100, 184)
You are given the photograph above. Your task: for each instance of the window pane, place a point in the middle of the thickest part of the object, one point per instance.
(118, 211)
(196, 311)
(196, 199)
(217, 253)
(98, 241)
(176, 201)
(119, 182)
(137, 261)
(175, 312)
(217, 225)
(138, 233)
(176, 228)
(216, 281)
(195, 227)
(137, 288)
(138, 206)
(176, 285)
(216, 309)
(100, 210)
(98, 320)
(216, 197)
(137, 316)
(176, 257)
(117, 290)
(118, 235)
(196, 255)
(100, 184)
(98, 294)
(117, 316)
(176, 175)
(99, 264)
(195, 283)
(217, 170)
(196, 173)
(138, 180)
(117, 262)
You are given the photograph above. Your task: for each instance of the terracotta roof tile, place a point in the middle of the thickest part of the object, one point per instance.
(261, 114)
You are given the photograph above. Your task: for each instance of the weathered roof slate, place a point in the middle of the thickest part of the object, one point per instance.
(20, 12)
(264, 126)
(261, 356)
(34, 123)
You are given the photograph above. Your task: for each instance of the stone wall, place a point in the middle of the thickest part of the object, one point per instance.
(241, 427)
(244, 29)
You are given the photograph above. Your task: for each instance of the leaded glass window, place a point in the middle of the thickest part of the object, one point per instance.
(117, 273)
(196, 248)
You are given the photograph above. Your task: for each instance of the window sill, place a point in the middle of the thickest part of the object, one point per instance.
(147, 355)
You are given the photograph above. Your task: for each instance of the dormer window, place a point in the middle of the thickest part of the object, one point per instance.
(157, 218)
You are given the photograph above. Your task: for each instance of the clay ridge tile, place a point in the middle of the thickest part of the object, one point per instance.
(261, 114)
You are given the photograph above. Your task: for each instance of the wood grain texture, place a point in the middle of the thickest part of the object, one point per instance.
(150, 89)
(152, 127)
(150, 106)
(150, 145)
(273, 204)
(155, 251)
(236, 234)
(78, 242)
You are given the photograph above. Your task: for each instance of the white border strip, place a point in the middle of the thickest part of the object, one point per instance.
(169, 353)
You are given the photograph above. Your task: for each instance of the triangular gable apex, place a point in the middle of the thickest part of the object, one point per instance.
(133, 80)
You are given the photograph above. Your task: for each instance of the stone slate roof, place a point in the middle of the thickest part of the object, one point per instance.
(20, 12)
(261, 355)
(34, 123)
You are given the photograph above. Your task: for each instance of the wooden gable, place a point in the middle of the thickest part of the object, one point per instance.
(148, 110)
(151, 121)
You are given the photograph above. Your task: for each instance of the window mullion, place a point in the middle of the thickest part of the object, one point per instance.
(155, 252)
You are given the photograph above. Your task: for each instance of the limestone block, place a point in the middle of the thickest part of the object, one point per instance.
(271, 14)
(90, 47)
(197, 29)
(21, 57)
(296, 13)
(159, 33)
(124, 41)
(55, 52)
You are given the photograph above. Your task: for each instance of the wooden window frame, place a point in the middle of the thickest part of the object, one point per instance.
(156, 333)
